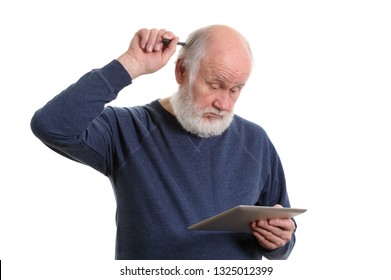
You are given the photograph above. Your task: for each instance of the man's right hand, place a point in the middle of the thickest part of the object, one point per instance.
(146, 53)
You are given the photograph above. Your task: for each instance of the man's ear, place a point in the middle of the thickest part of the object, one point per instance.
(180, 71)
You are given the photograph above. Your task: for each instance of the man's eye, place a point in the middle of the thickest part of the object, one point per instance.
(214, 86)
(234, 90)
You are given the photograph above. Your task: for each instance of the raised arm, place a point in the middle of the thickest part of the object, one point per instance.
(72, 123)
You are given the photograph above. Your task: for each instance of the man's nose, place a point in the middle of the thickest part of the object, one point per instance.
(222, 101)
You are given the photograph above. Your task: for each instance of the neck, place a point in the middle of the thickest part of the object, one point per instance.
(165, 102)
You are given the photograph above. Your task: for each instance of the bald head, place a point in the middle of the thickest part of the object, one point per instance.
(221, 43)
(224, 38)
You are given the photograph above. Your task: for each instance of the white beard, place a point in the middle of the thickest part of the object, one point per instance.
(190, 116)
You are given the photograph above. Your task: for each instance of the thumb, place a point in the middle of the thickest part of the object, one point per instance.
(170, 48)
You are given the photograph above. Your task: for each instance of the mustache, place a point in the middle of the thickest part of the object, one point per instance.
(214, 111)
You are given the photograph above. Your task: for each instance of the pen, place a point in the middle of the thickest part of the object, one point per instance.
(167, 41)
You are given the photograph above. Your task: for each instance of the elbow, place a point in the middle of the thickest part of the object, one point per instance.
(45, 130)
(52, 132)
(38, 127)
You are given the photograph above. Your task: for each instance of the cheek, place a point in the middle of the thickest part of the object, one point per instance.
(202, 96)
(232, 100)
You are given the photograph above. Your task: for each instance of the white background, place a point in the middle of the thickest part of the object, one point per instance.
(320, 88)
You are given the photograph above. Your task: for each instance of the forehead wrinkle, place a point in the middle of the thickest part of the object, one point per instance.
(224, 75)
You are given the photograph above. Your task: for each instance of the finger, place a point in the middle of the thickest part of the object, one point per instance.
(169, 36)
(266, 243)
(159, 40)
(147, 38)
(257, 232)
(170, 48)
(266, 229)
(285, 224)
(262, 224)
(281, 228)
(259, 237)
(143, 35)
(260, 231)
(152, 39)
(266, 238)
(273, 234)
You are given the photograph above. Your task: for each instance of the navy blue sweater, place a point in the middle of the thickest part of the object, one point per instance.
(164, 179)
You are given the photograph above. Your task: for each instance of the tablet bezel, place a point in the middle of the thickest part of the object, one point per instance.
(240, 217)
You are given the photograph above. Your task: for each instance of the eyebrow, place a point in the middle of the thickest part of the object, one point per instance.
(221, 79)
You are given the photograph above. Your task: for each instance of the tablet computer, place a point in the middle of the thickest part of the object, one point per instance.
(240, 217)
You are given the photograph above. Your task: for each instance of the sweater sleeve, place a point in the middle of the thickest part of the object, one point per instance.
(65, 122)
(275, 192)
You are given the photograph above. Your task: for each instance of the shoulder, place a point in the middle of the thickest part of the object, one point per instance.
(252, 136)
(143, 117)
(248, 129)
(139, 112)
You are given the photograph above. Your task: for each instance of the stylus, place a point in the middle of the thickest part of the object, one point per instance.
(167, 41)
